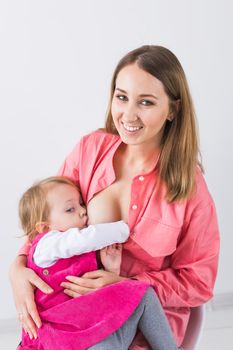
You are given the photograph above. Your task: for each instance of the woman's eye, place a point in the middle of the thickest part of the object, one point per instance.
(121, 97)
(70, 210)
(146, 103)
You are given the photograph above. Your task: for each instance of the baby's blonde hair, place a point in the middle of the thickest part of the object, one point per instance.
(33, 205)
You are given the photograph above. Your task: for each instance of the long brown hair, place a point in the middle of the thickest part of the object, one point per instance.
(179, 145)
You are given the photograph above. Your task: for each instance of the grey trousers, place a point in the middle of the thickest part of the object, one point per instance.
(150, 318)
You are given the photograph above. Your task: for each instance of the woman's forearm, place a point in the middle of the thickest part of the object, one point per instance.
(20, 261)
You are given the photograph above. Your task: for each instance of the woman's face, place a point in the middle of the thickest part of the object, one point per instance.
(140, 107)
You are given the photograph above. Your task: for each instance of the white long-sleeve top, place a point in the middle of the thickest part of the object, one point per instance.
(55, 244)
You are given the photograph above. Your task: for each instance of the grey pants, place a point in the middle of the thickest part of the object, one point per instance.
(149, 317)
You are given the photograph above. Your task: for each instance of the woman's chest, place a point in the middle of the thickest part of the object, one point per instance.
(110, 204)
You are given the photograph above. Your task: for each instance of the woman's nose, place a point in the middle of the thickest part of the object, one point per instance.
(130, 114)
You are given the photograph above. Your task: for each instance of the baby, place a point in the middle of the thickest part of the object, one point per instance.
(54, 218)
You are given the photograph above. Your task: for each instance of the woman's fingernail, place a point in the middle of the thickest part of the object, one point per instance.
(70, 278)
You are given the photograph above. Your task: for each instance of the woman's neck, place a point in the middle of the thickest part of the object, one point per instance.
(140, 158)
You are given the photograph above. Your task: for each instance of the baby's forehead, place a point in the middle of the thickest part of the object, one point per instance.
(62, 191)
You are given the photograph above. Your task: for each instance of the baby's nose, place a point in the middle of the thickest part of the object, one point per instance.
(82, 213)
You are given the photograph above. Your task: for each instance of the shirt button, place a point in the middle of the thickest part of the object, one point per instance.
(141, 178)
(134, 206)
(46, 272)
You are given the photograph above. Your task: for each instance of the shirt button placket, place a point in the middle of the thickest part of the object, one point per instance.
(134, 202)
(135, 206)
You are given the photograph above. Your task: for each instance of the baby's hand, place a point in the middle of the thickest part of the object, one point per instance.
(111, 258)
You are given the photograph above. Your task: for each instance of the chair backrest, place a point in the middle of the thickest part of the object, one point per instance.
(194, 328)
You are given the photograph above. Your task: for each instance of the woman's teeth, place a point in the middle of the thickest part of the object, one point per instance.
(131, 128)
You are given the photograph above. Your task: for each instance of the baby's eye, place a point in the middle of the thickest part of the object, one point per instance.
(70, 210)
(146, 103)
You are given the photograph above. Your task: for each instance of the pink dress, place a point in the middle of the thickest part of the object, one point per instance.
(78, 323)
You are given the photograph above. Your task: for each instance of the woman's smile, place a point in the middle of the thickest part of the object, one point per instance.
(131, 129)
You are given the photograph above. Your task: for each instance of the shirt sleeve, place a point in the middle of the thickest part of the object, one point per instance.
(190, 278)
(24, 250)
(70, 166)
(55, 245)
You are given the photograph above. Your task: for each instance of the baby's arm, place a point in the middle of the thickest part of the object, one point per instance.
(111, 258)
(55, 245)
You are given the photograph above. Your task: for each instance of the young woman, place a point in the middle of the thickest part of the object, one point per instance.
(143, 168)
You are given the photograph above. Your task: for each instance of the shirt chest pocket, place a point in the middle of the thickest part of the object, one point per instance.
(156, 238)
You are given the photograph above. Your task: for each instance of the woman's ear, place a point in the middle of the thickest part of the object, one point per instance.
(170, 116)
(174, 109)
(42, 227)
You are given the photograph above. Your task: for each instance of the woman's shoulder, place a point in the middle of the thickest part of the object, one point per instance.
(98, 141)
(100, 135)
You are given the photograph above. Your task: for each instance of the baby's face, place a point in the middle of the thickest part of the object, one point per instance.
(66, 208)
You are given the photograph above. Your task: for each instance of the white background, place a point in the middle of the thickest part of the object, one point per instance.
(56, 62)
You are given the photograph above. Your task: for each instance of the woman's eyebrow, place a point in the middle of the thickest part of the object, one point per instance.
(141, 95)
(149, 95)
(118, 89)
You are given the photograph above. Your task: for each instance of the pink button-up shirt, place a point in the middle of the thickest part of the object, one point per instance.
(172, 246)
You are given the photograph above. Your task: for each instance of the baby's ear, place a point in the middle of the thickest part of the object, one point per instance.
(42, 227)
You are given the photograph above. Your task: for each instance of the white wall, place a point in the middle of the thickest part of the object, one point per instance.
(56, 61)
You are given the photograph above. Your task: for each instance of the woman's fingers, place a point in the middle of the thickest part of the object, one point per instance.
(37, 282)
(82, 285)
(33, 318)
(89, 282)
(72, 294)
(28, 324)
(93, 274)
(74, 287)
(28, 314)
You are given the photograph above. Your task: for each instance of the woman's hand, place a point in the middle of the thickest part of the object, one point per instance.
(24, 281)
(89, 282)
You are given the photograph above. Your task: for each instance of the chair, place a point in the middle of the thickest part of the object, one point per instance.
(194, 328)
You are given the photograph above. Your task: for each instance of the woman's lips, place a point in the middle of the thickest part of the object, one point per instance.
(131, 128)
